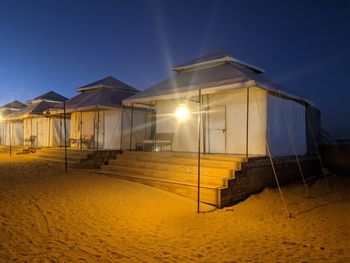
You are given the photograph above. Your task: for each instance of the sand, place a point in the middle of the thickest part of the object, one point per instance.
(49, 216)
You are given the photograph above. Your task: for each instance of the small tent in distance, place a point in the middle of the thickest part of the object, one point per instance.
(12, 130)
(44, 130)
(96, 114)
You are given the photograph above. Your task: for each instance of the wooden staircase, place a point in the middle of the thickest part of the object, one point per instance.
(177, 173)
(87, 158)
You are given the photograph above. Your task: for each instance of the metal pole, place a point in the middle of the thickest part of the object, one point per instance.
(81, 130)
(132, 119)
(10, 131)
(98, 125)
(247, 128)
(199, 149)
(65, 136)
(121, 129)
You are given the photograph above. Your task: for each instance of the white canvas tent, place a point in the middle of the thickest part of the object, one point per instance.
(96, 114)
(241, 111)
(48, 131)
(11, 133)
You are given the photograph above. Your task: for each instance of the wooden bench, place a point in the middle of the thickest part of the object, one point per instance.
(29, 141)
(159, 143)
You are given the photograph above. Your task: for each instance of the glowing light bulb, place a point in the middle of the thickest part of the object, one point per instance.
(182, 113)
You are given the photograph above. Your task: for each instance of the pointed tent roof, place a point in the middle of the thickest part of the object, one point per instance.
(210, 76)
(216, 56)
(104, 98)
(50, 96)
(14, 105)
(107, 82)
(34, 108)
(107, 93)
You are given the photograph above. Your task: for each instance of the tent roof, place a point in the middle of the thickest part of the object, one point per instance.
(35, 108)
(109, 82)
(212, 58)
(50, 96)
(104, 98)
(217, 75)
(15, 105)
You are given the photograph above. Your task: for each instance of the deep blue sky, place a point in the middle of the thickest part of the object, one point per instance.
(60, 45)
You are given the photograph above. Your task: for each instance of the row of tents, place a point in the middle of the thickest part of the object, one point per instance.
(232, 107)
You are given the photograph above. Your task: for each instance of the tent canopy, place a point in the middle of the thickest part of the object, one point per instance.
(50, 96)
(212, 71)
(34, 108)
(107, 82)
(103, 98)
(14, 105)
(107, 93)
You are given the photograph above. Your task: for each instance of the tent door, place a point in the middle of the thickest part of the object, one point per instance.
(216, 130)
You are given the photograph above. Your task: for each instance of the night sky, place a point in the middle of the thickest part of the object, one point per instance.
(60, 45)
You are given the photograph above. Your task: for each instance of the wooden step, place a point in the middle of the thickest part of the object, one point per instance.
(187, 169)
(187, 155)
(61, 157)
(209, 194)
(70, 163)
(180, 177)
(182, 160)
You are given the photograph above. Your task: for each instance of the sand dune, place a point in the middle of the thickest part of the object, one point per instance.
(49, 216)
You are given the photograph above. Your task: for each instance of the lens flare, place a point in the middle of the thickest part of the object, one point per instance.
(182, 113)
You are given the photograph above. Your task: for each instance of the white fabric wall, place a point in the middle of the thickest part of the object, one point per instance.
(234, 103)
(286, 127)
(13, 130)
(140, 127)
(57, 131)
(186, 132)
(112, 129)
(83, 125)
(103, 127)
(39, 127)
(2, 132)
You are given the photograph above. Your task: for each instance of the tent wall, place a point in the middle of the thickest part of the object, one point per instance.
(103, 127)
(224, 121)
(57, 131)
(141, 126)
(83, 126)
(235, 105)
(313, 129)
(112, 128)
(13, 130)
(2, 132)
(286, 127)
(39, 127)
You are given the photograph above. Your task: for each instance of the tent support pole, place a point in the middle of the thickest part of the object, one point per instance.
(81, 130)
(98, 126)
(155, 129)
(247, 127)
(121, 129)
(132, 120)
(10, 131)
(65, 136)
(199, 148)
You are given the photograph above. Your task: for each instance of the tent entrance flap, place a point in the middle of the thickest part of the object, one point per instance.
(216, 129)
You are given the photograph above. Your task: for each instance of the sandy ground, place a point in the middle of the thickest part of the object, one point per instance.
(49, 216)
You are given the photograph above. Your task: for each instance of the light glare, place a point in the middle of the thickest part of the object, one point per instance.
(182, 113)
